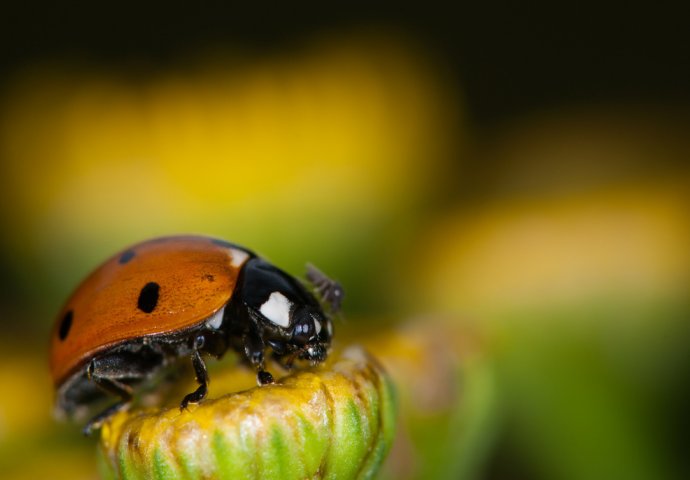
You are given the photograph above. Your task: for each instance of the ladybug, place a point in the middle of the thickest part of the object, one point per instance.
(182, 297)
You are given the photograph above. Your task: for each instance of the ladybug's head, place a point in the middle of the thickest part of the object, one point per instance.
(291, 319)
(311, 333)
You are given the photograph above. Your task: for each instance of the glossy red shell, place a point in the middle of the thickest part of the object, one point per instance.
(196, 277)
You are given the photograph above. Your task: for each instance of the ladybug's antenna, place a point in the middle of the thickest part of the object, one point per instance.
(329, 291)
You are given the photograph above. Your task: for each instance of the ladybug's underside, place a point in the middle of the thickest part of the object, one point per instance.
(122, 367)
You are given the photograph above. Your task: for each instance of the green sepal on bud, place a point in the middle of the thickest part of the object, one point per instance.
(333, 421)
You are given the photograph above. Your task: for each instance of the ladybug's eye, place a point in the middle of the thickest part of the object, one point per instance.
(302, 331)
(65, 325)
(308, 326)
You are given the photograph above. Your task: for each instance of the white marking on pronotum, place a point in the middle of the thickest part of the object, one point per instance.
(215, 321)
(317, 326)
(238, 257)
(277, 309)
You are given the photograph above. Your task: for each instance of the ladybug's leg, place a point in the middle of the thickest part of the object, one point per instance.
(282, 355)
(111, 386)
(109, 373)
(286, 361)
(254, 347)
(201, 376)
(115, 387)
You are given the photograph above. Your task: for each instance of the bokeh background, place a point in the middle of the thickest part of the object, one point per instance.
(514, 177)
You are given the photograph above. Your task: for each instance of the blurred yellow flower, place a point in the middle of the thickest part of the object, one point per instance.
(620, 243)
(302, 151)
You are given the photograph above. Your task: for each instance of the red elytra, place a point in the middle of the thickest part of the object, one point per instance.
(195, 275)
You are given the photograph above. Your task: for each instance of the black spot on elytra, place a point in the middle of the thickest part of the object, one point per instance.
(148, 297)
(65, 325)
(127, 256)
